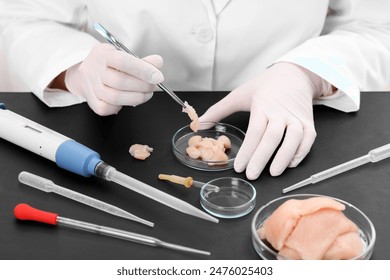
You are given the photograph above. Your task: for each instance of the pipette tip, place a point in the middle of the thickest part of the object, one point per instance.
(142, 221)
(297, 185)
(184, 249)
(203, 215)
(212, 219)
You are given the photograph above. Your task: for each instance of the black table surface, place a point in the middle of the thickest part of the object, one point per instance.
(341, 137)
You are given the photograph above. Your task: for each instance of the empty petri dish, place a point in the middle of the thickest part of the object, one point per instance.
(210, 130)
(228, 197)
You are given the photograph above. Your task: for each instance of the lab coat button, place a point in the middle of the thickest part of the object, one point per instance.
(205, 35)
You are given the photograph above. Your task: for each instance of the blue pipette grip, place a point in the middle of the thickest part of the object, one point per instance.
(67, 153)
(77, 158)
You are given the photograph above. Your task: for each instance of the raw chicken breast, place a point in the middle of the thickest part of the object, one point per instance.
(316, 232)
(346, 246)
(283, 220)
(312, 229)
(286, 253)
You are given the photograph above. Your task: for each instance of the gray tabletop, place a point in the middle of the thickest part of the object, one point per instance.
(341, 137)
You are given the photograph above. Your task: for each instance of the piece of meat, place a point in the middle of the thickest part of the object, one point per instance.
(316, 232)
(283, 220)
(194, 140)
(218, 157)
(192, 115)
(209, 149)
(286, 253)
(206, 153)
(225, 141)
(346, 246)
(193, 152)
(312, 229)
(140, 151)
(206, 143)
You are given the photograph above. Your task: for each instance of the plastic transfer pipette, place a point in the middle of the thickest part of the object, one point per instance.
(77, 158)
(188, 182)
(24, 211)
(113, 41)
(48, 186)
(375, 155)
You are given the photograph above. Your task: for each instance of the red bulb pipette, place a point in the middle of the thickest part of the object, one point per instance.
(25, 212)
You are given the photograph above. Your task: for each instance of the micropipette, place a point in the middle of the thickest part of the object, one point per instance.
(77, 158)
(24, 211)
(113, 41)
(375, 155)
(48, 186)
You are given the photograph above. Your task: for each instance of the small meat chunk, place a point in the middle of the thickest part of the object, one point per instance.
(209, 149)
(193, 116)
(225, 141)
(140, 151)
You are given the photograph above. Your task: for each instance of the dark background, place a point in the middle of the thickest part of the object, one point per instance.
(341, 137)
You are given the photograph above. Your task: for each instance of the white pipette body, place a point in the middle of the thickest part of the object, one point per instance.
(48, 186)
(374, 155)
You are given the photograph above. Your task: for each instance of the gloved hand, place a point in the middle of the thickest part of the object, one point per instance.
(109, 79)
(280, 101)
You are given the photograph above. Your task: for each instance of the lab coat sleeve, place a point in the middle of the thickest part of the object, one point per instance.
(42, 39)
(353, 53)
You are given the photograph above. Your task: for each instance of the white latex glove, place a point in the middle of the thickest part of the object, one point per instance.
(280, 101)
(109, 79)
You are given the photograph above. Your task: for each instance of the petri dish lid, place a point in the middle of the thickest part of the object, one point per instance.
(228, 197)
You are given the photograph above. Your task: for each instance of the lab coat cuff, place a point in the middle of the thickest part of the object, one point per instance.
(339, 101)
(64, 64)
(60, 98)
(347, 97)
(56, 97)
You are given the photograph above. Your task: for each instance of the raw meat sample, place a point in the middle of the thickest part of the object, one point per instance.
(284, 219)
(314, 228)
(209, 149)
(345, 247)
(140, 151)
(192, 115)
(316, 232)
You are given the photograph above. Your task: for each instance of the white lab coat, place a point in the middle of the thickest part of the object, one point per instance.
(207, 45)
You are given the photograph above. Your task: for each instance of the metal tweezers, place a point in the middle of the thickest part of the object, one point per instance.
(111, 39)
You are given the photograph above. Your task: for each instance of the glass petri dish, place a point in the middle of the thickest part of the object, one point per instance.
(210, 130)
(367, 231)
(228, 197)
